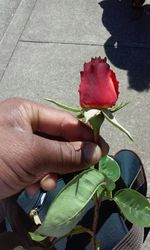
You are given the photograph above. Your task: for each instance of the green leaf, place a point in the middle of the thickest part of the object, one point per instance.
(110, 168)
(109, 116)
(134, 206)
(63, 106)
(80, 115)
(118, 107)
(97, 245)
(110, 185)
(100, 190)
(96, 123)
(69, 206)
(80, 229)
(36, 236)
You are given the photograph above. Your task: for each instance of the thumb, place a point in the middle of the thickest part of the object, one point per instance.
(63, 157)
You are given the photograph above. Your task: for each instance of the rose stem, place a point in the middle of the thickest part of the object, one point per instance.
(96, 201)
(95, 222)
(96, 123)
(96, 140)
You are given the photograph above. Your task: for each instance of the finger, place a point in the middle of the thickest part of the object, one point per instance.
(62, 124)
(49, 182)
(62, 157)
(56, 122)
(103, 145)
(33, 188)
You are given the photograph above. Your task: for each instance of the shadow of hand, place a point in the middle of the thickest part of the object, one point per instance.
(129, 44)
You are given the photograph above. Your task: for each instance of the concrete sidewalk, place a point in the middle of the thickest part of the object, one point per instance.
(44, 43)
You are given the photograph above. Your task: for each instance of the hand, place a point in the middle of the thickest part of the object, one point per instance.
(30, 161)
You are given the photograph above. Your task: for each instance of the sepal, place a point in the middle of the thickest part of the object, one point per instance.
(60, 105)
(110, 117)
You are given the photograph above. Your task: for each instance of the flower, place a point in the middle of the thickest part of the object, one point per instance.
(98, 86)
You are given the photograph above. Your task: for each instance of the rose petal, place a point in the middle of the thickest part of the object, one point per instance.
(99, 86)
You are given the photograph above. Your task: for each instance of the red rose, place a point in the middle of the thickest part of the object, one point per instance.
(99, 86)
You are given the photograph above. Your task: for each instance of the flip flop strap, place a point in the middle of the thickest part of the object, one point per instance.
(139, 179)
(133, 239)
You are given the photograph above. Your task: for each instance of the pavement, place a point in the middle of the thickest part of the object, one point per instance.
(43, 45)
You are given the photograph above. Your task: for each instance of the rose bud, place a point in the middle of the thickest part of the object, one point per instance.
(99, 86)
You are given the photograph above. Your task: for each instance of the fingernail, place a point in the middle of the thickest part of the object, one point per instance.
(91, 153)
(49, 182)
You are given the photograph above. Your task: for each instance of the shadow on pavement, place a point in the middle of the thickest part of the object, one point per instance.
(128, 47)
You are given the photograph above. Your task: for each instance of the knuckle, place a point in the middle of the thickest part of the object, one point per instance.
(69, 157)
(14, 101)
(66, 123)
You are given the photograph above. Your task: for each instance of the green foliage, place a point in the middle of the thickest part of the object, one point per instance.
(117, 107)
(134, 206)
(109, 116)
(110, 168)
(37, 237)
(97, 245)
(60, 105)
(69, 206)
(79, 230)
(110, 185)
